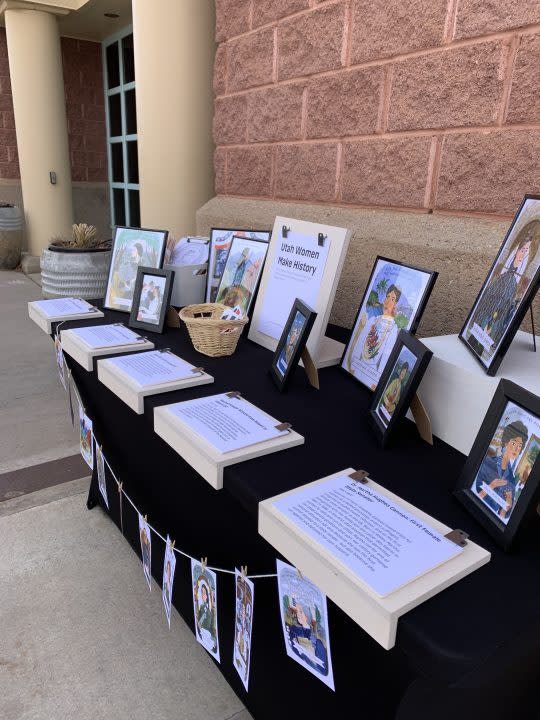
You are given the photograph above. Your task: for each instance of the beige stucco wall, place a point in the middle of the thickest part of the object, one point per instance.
(174, 55)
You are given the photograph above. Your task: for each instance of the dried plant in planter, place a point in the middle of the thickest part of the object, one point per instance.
(83, 237)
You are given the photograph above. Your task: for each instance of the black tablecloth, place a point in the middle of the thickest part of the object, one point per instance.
(473, 648)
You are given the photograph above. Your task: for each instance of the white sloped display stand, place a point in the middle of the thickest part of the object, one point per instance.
(84, 354)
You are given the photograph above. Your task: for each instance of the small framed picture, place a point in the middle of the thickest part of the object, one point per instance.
(292, 342)
(500, 482)
(399, 382)
(243, 268)
(151, 299)
(220, 243)
(395, 298)
(508, 290)
(132, 247)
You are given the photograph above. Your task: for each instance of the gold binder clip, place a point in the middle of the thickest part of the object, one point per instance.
(234, 394)
(458, 537)
(283, 426)
(361, 476)
(199, 370)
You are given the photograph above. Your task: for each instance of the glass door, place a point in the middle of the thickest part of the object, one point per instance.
(121, 117)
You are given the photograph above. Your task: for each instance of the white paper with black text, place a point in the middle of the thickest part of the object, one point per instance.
(383, 544)
(57, 307)
(227, 423)
(99, 336)
(297, 272)
(153, 367)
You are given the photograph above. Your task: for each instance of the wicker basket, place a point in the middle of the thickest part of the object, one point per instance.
(209, 334)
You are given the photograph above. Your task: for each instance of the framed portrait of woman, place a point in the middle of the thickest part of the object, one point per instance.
(241, 274)
(507, 291)
(500, 482)
(395, 298)
(399, 382)
(151, 299)
(131, 247)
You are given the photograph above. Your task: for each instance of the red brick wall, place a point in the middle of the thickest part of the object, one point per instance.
(425, 105)
(84, 106)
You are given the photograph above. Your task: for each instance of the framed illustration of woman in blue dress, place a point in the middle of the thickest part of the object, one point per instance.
(394, 300)
(508, 289)
(500, 482)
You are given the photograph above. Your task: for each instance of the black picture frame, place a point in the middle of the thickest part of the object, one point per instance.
(258, 280)
(432, 278)
(383, 421)
(159, 262)
(142, 273)
(521, 311)
(211, 289)
(524, 506)
(281, 370)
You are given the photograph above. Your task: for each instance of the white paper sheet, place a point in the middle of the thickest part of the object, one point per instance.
(153, 367)
(297, 271)
(64, 306)
(243, 625)
(227, 423)
(98, 336)
(383, 544)
(169, 566)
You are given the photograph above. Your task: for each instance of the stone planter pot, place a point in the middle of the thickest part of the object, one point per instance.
(11, 235)
(71, 272)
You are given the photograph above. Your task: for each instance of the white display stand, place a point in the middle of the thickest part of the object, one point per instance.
(206, 459)
(44, 321)
(377, 616)
(456, 392)
(324, 350)
(133, 394)
(84, 354)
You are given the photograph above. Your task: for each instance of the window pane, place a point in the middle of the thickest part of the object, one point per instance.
(129, 63)
(117, 159)
(131, 113)
(113, 66)
(115, 115)
(119, 207)
(134, 209)
(133, 162)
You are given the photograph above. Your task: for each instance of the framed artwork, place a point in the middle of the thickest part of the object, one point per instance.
(507, 291)
(131, 247)
(499, 484)
(240, 278)
(398, 384)
(292, 342)
(220, 243)
(395, 298)
(151, 299)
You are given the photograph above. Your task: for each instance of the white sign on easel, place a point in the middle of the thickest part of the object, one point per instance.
(304, 261)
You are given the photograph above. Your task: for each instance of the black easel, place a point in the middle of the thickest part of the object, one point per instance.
(532, 325)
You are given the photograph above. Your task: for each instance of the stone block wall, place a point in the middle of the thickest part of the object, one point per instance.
(419, 105)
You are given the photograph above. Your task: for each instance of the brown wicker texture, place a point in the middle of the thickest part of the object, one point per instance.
(209, 334)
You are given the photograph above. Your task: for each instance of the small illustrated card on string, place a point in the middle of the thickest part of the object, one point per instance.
(204, 585)
(60, 361)
(102, 482)
(146, 549)
(86, 438)
(304, 621)
(243, 626)
(169, 566)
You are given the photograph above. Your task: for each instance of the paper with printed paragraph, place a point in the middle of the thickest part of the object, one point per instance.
(153, 367)
(64, 306)
(382, 543)
(227, 423)
(98, 336)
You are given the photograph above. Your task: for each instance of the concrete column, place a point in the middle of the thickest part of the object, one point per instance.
(174, 56)
(37, 81)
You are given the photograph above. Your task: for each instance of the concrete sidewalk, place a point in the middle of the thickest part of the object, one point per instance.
(34, 418)
(81, 635)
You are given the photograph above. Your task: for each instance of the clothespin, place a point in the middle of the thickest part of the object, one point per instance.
(299, 574)
(120, 484)
(243, 570)
(146, 518)
(172, 545)
(204, 562)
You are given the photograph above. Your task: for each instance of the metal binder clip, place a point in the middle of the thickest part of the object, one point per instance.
(458, 537)
(321, 238)
(283, 426)
(285, 231)
(234, 394)
(199, 370)
(361, 476)
(165, 350)
(92, 309)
